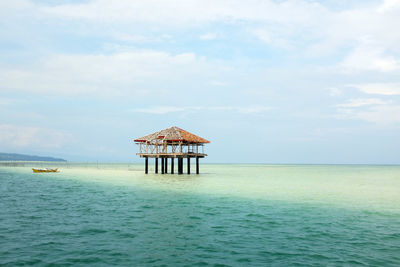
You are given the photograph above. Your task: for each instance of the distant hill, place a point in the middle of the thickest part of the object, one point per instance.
(22, 157)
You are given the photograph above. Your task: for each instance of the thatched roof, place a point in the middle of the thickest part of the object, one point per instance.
(172, 134)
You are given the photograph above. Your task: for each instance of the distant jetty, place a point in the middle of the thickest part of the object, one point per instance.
(22, 157)
(171, 143)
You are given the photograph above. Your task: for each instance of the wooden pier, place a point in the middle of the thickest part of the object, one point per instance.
(170, 144)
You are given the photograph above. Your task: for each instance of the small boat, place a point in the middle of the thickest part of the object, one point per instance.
(45, 170)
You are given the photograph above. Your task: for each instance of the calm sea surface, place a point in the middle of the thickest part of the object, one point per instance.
(230, 215)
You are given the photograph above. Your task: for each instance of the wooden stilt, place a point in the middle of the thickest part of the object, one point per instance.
(156, 165)
(188, 165)
(166, 165)
(162, 166)
(180, 163)
(146, 165)
(172, 165)
(197, 165)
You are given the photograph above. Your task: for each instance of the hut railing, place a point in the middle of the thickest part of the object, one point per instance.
(170, 148)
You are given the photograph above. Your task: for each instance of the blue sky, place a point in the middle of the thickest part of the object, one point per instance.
(266, 81)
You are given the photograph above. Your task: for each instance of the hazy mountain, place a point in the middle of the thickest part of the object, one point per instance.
(22, 157)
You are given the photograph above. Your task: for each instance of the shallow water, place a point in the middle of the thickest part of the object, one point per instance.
(233, 215)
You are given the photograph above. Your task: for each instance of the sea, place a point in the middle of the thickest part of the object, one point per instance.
(229, 215)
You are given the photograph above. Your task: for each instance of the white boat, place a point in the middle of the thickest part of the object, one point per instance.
(44, 170)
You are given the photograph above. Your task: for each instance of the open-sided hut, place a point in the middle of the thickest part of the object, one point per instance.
(171, 143)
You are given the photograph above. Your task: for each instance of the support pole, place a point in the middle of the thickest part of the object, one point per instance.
(197, 165)
(172, 165)
(156, 165)
(162, 166)
(146, 165)
(180, 161)
(166, 165)
(188, 165)
(181, 165)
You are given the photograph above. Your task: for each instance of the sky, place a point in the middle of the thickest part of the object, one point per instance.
(265, 81)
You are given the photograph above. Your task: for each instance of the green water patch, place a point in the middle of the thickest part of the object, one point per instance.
(373, 188)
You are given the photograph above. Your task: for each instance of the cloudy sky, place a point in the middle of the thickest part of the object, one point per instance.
(266, 81)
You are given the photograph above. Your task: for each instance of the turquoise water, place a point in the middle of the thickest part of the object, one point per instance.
(230, 215)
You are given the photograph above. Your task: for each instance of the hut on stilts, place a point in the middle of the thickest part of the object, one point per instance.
(171, 143)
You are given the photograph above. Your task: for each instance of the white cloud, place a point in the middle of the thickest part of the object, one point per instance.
(354, 103)
(208, 36)
(138, 38)
(76, 74)
(367, 31)
(364, 58)
(334, 91)
(4, 101)
(15, 136)
(380, 114)
(252, 109)
(172, 109)
(160, 109)
(276, 39)
(371, 110)
(185, 12)
(218, 83)
(389, 5)
(379, 88)
(285, 24)
(15, 5)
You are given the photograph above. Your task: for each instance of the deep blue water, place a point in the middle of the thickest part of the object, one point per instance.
(48, 220)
